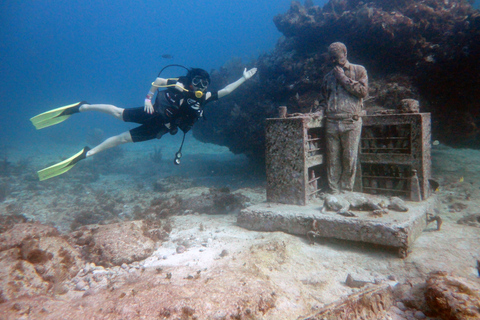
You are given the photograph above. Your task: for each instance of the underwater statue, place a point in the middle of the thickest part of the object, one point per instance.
(343, 90)
(179, 106)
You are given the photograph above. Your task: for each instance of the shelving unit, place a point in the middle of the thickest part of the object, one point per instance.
(295, 159)
(395, 155)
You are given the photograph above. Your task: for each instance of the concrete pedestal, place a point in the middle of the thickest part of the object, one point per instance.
(395, 229)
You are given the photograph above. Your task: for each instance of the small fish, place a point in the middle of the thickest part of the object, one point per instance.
(461, 179)
(167, 56)
(436, 143)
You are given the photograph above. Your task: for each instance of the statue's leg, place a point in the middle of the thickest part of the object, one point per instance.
(334, 162)
(350, 139)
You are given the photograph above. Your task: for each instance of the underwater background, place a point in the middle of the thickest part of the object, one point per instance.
(57, 53)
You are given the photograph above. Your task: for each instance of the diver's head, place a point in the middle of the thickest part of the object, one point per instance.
(338, 53)
(199, 79)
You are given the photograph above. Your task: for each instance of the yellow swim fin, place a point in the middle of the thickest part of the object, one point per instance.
(55, 116)
(62, 167)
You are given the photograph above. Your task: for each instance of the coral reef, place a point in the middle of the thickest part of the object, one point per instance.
(35, 259)
(452, 297)
(423, 50)
(117, 243)
(440, 295)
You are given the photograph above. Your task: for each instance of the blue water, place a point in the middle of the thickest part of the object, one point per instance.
(55, 53)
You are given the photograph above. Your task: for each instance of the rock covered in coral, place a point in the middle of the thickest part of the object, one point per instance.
(400, 33)
(21, 232)
(452, 297)
(35, 259)
(117, 243)
(423, 50)
(441, 296)
(434, 42)
(19, 277)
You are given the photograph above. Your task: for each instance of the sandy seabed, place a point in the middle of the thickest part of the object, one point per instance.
(210, 268)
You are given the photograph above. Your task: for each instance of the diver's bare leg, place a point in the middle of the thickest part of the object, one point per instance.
(110, 143)
(105, 108)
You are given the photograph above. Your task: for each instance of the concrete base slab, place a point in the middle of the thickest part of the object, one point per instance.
(395, 229)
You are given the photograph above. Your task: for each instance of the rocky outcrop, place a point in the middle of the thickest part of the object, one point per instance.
(452, 297)
(435, 43)
(423, 50)
(117, 243)
(35, 259)
(440, 295)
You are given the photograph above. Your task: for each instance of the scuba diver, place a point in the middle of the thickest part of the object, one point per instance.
(178, 106)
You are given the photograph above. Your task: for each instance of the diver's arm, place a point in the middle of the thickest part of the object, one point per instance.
(232, 86)
(159, 82)
(148, 99)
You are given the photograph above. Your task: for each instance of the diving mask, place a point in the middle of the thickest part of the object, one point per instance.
(200, 82)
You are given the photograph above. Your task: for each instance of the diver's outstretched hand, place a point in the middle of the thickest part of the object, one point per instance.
(148, 106)
(248, 74)
(232, 86)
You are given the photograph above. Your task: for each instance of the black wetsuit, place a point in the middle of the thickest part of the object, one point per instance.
(167, 110)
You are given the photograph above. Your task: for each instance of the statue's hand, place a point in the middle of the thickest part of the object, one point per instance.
(248, 74)
(340, 74)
